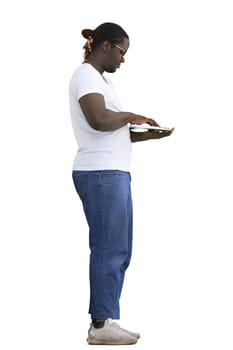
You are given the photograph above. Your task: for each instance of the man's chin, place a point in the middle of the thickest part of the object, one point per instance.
(111, 70)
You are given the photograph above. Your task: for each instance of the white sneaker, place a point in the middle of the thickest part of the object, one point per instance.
(133, 334)
(110, 334)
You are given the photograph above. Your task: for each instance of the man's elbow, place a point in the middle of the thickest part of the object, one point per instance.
(99, 125)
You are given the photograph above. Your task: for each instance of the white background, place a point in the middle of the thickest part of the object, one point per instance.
(178, 289)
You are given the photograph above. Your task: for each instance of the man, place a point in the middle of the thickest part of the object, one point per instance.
(101, 175)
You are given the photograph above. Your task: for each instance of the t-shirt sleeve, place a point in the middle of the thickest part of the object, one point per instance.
(87, 82)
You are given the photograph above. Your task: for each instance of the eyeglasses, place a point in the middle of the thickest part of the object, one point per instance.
(122, 51)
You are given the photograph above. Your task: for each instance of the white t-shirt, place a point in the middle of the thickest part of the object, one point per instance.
(97, 150)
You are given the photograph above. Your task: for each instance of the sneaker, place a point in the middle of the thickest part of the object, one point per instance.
(110, 334)
(133, 334)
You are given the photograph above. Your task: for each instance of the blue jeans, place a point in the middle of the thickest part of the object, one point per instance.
(107, 203)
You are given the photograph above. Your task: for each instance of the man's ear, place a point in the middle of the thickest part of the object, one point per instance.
(106, 46)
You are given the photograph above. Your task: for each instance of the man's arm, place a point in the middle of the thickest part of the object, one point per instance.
(102, 119)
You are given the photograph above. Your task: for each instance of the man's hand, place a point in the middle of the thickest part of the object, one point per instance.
(138, 119)
(158, 134)
(149, 135)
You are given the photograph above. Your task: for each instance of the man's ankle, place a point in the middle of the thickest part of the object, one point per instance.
(98, 323)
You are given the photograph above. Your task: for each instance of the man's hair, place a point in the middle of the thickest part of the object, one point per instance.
(111, 32)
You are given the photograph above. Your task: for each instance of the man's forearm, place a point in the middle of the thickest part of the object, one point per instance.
(139, 136)
(149, 135)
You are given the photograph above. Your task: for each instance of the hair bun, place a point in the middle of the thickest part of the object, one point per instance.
(87, 33)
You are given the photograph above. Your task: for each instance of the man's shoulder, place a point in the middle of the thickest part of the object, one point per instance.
(86, 79)
(85, 71)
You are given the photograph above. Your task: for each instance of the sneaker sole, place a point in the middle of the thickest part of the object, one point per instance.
(94, 341)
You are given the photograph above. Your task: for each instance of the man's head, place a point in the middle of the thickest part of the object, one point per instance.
(108, 43)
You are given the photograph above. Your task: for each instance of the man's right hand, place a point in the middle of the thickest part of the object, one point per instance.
(138, 119)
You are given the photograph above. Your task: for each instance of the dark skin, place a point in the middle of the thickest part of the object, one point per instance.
(106, 58)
